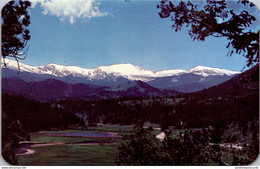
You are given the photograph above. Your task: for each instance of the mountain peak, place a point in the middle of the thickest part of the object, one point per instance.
(200, 67)
(207, 71)
(125, 68)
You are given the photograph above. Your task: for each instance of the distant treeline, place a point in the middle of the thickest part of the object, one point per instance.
(35, 116)
(21, 116)
(190, 111)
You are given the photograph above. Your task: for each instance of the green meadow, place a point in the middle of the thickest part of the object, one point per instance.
(74, 154)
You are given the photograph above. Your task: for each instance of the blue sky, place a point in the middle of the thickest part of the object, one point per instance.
(120, 32)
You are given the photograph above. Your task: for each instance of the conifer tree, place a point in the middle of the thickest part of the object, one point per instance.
(15, 32)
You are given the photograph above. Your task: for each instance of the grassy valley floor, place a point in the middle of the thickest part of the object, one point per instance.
(104, 155)
(47, 149)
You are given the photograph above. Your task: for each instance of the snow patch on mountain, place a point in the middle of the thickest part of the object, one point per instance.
(174, 80)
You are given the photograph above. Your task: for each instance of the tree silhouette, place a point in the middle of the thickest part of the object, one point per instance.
(15, 33)
(141, 148)
(217, 20)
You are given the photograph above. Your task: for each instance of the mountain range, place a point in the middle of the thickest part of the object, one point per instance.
(115, 74)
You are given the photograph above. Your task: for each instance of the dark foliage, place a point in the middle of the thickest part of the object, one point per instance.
(21, 116)
(15, 32)
(250, 150)
(120, 111)
(12, 133)
(204, 22)
(35, 116)
(192, 147)
(141, 148)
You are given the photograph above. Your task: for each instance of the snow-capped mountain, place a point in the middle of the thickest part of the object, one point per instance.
(195, 79)
(127, 71)
(208, 71)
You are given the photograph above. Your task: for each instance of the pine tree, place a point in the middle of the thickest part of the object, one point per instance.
(15, 32)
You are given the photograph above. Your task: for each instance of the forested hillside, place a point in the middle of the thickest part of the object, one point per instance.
(235, 101)
(21, 116)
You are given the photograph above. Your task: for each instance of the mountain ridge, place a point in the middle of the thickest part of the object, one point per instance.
(184, 81)
(55, 89)
(125, 70)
